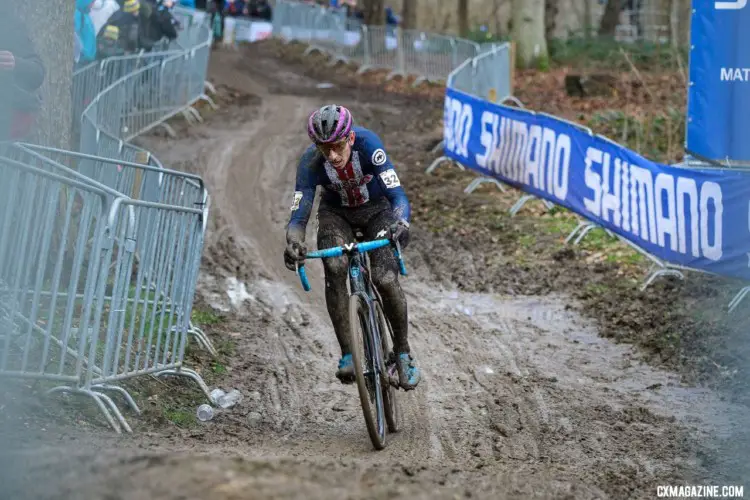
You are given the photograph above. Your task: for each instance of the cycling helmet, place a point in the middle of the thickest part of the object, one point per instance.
(328, 124)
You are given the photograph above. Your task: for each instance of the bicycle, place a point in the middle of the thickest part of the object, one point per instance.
(376, 374)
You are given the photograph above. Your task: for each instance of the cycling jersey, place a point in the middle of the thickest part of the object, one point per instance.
(368, 176)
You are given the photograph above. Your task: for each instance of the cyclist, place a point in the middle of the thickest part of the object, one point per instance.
(360, 190)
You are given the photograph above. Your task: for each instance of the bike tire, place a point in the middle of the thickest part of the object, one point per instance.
(359, 319)
(390, 403)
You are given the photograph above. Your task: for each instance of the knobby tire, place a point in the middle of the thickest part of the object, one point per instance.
(390, 405)
(359, 319)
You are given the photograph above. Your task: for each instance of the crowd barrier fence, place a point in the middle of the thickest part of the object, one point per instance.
(101, 247)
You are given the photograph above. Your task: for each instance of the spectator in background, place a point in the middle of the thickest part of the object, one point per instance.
(188, 3)
(86, 32)
(235, 8)
(101, 11)
(21, 76)
(391, 19)
(127, 22)
(108, 42)
(260, 9)
(155, 22)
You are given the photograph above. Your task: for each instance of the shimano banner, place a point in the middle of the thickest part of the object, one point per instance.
(719, 91)
(695, 218)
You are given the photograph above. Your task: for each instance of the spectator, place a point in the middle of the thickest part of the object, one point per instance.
(21, 75)
(235, 8)
(260, 9)
(108, 42)
(86, 32)
(390, 18)
(127, 22)
(188, 3)
(101, 11)
(154, 23)
(216, 14)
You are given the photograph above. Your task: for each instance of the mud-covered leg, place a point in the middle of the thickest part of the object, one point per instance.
(384, 267)
(333, 230)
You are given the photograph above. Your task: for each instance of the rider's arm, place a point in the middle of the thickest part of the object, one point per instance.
(387, 176)
(304, 195)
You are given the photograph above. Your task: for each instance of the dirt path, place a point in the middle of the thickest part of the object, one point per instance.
(520, 397)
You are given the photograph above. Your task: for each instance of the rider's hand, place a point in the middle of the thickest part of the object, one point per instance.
(400, 233)
(7, 61)
(295, 253)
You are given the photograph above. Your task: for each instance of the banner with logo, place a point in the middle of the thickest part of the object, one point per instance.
(719, 91)
(694, 218)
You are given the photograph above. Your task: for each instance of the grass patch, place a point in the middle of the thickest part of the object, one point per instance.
(181, 417)
(206, 317)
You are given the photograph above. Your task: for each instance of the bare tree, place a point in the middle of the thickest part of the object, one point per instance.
(610, 18)
(409, 14)
(374, 12)
(463, 18)
(529, 32)
(50, 26)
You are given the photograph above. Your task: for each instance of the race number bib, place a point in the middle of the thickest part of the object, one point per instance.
(390, 179)
(297, 199)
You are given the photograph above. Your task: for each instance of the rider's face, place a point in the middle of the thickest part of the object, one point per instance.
(338, 153)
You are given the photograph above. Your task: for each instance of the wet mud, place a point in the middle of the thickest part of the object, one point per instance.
(521, 396)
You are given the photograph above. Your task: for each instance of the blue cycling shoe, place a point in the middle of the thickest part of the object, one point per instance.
(345, 373)
(408, 374)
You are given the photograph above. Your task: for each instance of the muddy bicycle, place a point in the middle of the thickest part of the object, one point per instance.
(372, 353)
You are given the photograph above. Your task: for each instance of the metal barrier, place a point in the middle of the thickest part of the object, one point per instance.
(428, 56)
(100, 249)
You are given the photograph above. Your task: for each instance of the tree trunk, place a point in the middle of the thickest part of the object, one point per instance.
(463, 18)
(610, 18)
(374, 12)
(528, 32)
(550, 18)
(588, 22)
(683, 30)
(50, 26)
(409, 15)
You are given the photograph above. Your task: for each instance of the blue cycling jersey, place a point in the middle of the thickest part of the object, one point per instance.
(368, 176)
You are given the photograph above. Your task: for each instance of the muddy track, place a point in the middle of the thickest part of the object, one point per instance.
(520, 397)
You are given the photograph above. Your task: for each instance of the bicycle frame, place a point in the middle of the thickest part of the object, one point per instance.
(359, 278)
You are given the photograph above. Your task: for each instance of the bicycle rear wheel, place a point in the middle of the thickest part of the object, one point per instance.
(367, 372)
(390, 405)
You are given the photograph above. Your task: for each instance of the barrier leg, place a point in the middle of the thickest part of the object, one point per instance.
(584, 232)
(481, 180)
(202, 339)
(738, 298)
(419, 80)
(209, 86)
(170, 131)
(393, 74)
(439, 161)
(312, 48)
(125, 394)
(335, 59)
(526, 198)
(195, 113)
(581, 225)
(665, 271)
(186, 372)
(364, 69)
(438, 147)
(207, 99)
(97, 399)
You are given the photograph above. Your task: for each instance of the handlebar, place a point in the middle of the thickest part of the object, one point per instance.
(349, 249)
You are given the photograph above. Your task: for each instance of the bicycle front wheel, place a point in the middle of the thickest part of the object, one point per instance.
(367, 357)
(392, 412)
